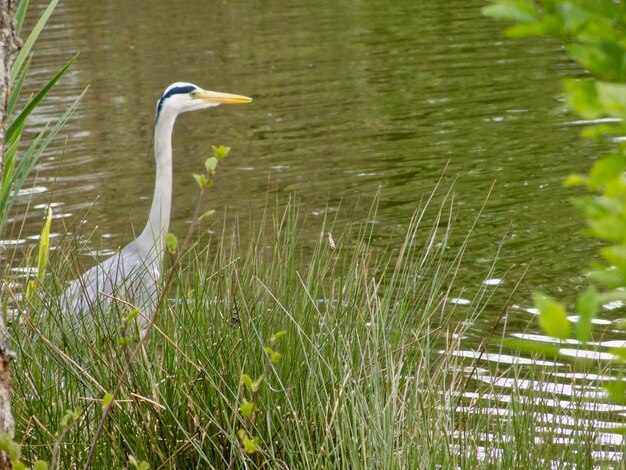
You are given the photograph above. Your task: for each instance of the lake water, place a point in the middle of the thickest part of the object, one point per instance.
(349, 98)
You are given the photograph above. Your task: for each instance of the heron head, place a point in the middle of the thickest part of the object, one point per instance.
(181, 97)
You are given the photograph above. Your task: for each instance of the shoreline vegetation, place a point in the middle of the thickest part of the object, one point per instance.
(349, 355)
(368, 376)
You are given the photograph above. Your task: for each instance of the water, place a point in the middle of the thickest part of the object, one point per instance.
(361, 101)
(350, 98)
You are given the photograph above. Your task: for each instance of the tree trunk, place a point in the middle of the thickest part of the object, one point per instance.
(9, 45)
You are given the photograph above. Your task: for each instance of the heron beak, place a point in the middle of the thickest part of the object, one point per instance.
(222, 98)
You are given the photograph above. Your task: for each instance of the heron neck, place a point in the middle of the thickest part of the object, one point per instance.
(153, 235)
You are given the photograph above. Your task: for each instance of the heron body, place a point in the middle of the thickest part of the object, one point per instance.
(132, 274)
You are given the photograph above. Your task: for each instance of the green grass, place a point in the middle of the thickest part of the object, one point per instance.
(362, 382)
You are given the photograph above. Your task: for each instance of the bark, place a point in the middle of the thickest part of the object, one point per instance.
(9, 45)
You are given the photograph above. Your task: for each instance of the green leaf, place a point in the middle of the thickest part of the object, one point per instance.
(610, 279)
(247, 409)
(171, 242)
(19, 466)
(524, 30)
(599, 206)
(42, 256)
(612, 97)
(276, 336)
(107, 399)
(9, 163)
(581, 97)
(17, 88)
(30, 41)
(201, 180)
(40, 465)
(520, 11)
(220, 152)
(616, 255)
(575, 180)
(20, 14)
(207, 214)
(131, 315)
(606, 169)
(14, 451)
(247, 381)
(586, 306)
(619, 352)
(256, 385)
(274, 355)
(574, 17)
(250, 446)
(594, 58)
(552, 317)
(69, 417)
(44, 247)
(34, 102)
(601, 30)
(138, 465)
(31, 288)
(617, 391)
(211, 164)
(30, 158)
(611, 228)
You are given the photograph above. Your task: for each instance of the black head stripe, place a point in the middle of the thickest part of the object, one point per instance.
(174, 91)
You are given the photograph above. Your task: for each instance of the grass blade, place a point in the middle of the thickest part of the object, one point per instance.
(20, 14)
(32, 104)
(17, 88)
(28, 44)
(30, 158)
(9, 165)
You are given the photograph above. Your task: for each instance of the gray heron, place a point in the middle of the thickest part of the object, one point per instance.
(132, 274)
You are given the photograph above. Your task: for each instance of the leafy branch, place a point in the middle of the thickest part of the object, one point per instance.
(250, 393)
(594, 34)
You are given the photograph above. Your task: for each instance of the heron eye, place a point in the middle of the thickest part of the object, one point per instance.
(194, 94)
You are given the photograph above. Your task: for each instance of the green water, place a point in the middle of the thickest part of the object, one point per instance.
(349, 98)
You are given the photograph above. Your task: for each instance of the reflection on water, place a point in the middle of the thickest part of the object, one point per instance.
(501, 358)
(573, 403)
(360, 101)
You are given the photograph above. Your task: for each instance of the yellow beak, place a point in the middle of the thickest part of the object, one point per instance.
(222, 98)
